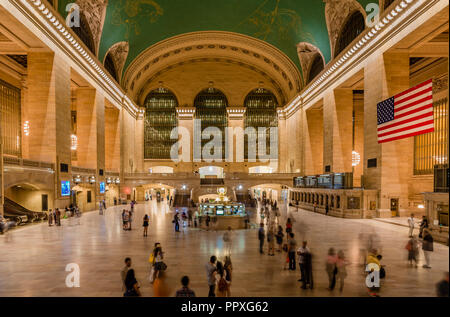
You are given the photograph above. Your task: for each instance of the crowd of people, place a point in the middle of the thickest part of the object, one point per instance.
(54, 216)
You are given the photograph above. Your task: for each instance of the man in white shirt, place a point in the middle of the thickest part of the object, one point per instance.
(411, 225)
(301, 259)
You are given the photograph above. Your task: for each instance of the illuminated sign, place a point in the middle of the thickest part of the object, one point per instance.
(65, 188)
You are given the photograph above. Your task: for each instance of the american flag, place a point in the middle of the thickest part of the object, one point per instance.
(407, 114)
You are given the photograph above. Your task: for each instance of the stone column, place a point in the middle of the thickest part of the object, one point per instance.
(100, 123)
(112, 139)
(385, 76)
(283, 144)
(313, 136)
(337, 122)
(139, 143)
(186, 121)
(48, 111)
(358, 108)
(87, 127)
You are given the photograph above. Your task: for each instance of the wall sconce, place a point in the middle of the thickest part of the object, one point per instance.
(356, 158)
(117, 181)
(421, 206)
(77, 179)
(73, 142)
(108, 180)
(26, 128)
(92, 179)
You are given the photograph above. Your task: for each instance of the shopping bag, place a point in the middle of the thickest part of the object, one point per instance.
(151, 276)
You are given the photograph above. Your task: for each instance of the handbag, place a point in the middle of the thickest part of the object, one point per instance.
(151, 258)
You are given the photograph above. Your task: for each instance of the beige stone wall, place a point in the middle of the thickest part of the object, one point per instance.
(112, 139)
(30, 199)
(313, 136)
(337, 124)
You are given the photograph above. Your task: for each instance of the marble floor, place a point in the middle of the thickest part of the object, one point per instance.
(33, 259)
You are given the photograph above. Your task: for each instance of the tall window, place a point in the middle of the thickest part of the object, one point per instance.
(261, 112)
(432, 148)
(211, 108)
(160, 119)
(353, 27)
(110, 66)
(11, 120)
(84, 33)
(316, 67)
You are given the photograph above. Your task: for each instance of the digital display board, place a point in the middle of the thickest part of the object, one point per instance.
(102, 187)
(65, 188)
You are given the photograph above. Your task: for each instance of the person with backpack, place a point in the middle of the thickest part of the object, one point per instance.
(413, 249)
(279, 237)
(261, 236)
(223, 286)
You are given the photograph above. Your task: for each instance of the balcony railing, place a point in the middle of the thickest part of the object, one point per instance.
(8, 160)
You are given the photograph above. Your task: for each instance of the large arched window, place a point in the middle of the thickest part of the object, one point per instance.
(211, 108)
(317, 66)
(352, 28)
(110, 66)
(160, 119)
(261, 112)
(84, 33)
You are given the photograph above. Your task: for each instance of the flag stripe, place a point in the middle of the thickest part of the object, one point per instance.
(428, 82)
(412, 118)
(407, 132)
(414, 95)
(412, 111)
(416, 101)
(407, 135)
(406, 127)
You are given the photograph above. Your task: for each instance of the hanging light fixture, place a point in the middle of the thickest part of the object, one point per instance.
(356, 158)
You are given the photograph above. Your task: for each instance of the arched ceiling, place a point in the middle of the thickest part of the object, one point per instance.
(281, 23)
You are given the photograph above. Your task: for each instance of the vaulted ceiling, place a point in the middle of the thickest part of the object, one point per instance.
(281, 23)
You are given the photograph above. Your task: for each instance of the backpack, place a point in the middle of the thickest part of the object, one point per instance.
(222, 286)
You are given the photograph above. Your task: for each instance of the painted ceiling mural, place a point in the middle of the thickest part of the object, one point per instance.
(282, 23)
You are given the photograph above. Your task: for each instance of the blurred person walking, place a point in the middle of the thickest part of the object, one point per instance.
(211, 275)
(223, 286)
(279, 236)
(301, 252)
(442, 287)
(124, 271)
(261, 237)
(423, 225)
(413, 250)
(292, 248)
(227, 240)
(341, 264)
(427, 247)
(330, 267)
(271, 242)
(411, 224)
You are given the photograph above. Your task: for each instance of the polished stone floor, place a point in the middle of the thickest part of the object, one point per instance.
(33, 259)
